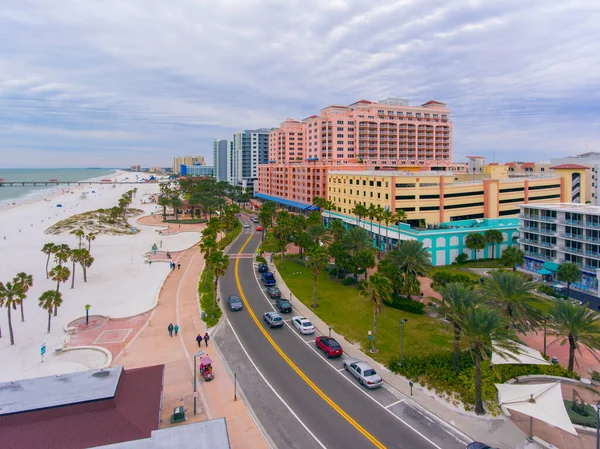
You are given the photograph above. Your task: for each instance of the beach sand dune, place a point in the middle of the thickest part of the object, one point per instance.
(120, 282)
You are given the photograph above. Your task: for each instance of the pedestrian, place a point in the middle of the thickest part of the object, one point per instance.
(176, 329)
(199, 340)
(206, 338)
(178, 266)
(170, 329)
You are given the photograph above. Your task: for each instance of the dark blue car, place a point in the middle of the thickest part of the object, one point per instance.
(268, 279)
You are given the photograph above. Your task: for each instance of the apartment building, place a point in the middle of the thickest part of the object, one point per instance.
(551, 234)
(221, 157)
(249, 148)
(365, 134)
(592, 161)
(197, 170)
(186, 160)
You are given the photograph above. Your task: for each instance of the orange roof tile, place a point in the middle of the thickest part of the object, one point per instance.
(570, 166)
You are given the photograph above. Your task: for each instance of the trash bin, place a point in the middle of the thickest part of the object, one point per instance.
(178, 414)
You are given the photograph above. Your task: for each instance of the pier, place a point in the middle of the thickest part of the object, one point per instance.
(56, 182)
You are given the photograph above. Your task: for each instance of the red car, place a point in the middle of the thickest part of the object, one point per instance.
(329, 346)
(259, 228)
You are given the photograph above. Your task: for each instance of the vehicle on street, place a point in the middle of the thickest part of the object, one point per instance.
(366, 375)
(263, 268)
(259, 228)
(246, 225)
(273, 319)
(283, 305)
(254, 220)
(477, 445)
(234, 303)
(268, 279)
(273, 293)
(304, 326)
(329, 346)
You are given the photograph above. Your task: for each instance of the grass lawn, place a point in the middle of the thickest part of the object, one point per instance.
(187, 221)
(269, 245)
(352, 316)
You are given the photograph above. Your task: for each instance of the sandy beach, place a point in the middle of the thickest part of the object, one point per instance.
(120, 282)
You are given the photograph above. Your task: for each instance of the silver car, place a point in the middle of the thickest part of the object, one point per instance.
(366, 375)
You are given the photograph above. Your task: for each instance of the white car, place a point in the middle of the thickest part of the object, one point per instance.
(246, 225)
(304, 326)
(366, 375)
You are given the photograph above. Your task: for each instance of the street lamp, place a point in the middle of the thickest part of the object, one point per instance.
(402, 323)
(198, 354)
(87, 314)
(598, 425)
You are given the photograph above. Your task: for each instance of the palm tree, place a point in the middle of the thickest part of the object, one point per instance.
(207, 246)
(481, 326)
(399, 217)
(50, 299)
(456, 299)
(376, 290)
(164, 202)
(318, 260)
(86, 261)
(61, 254)
(194, 201)
(413, 261)
(79, 234)
(10, 295)
(576, 325)
(511, 295)
(218, 262)
(75, 256)
(475, 242)
(513, 256)
(90, 238)
(568, 272)
(360, 211)
(379, 216)
(387, 216)
(48, 249)
(494, 237)
(337, 229)
(59, 274)
(371, 213)
(319, 234)
(26, 282)
(176, 204)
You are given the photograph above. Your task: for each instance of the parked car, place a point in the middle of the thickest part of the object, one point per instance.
(268, 279)
(259, 228)
(273, 293)
(477, 445)
(235, 303)
(283, 305)
(366, 375)
(263, 268)
(273, 319)
(304, 326)
(329, 346)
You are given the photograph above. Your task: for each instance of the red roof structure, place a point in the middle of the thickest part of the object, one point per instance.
(132, 414)
(433, 102)
(493, 163)
(528, 164)
(510, 164)
(570, 166)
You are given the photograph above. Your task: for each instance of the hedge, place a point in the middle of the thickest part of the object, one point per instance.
(406, 304)
(205, 292)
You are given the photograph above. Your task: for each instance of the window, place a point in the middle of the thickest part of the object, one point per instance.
(340, 122)
(371, 194)
(340, 128)
(351, 181)
(405, 197)
(350, 123)
(379, 195)
(371, 183)
(364, 182)
(379, 184)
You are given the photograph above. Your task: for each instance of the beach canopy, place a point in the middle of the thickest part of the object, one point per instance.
(205, 360)
(539, 401)
(524, 355)
(544, 271)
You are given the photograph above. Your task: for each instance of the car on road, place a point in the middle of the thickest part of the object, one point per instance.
(234, 303)
(246, 225)
(273, 293)
(273, 319)
(329, 346)
(254, 220)
(259, 228)
(477, 445)
(304, 326)
(268, 279)
(263, 268)
(283, 305)
(366, 375)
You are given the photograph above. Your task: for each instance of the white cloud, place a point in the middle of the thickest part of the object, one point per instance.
(144, 74)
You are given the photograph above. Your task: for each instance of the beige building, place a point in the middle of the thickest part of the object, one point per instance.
(186, 160)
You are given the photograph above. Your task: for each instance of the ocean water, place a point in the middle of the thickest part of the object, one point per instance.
(20, 193)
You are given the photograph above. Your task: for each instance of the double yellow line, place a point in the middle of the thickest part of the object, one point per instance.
(292, 365)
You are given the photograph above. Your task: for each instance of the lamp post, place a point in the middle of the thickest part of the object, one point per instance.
(402, 323)
(198, 354)
(598, 425)
(87, 314)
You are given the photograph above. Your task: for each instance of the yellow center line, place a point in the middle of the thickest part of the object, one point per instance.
(292, 365)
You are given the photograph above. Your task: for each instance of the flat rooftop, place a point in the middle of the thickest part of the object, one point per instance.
(54, 391)
(567, 207)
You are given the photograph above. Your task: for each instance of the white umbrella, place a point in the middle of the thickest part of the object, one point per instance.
(539, 401)
(524, 355)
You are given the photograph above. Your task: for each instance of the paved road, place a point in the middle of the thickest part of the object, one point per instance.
(319, 404)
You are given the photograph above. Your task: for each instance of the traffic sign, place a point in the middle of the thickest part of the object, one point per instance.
(43, 349)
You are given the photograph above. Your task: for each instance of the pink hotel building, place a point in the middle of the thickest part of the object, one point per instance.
(389, 134)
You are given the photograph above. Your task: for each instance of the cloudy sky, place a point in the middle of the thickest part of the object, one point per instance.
(113, 82)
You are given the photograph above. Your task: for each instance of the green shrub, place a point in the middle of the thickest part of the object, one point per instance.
(206, 294)
(348, 281)
(585, 417)
(546, 289)
(441, 278)
(461, 258)
(595, 376)
(437, 371)
(406, 304)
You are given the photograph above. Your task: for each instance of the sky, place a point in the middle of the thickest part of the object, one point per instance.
(112, 83)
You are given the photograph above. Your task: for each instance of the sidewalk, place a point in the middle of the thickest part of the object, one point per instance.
(498, 431)
(178, 304)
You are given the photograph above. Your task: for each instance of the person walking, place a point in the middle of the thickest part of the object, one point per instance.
(199, 340)
(176, 329)
(179, 265)
(170, 329)
(206, 338)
